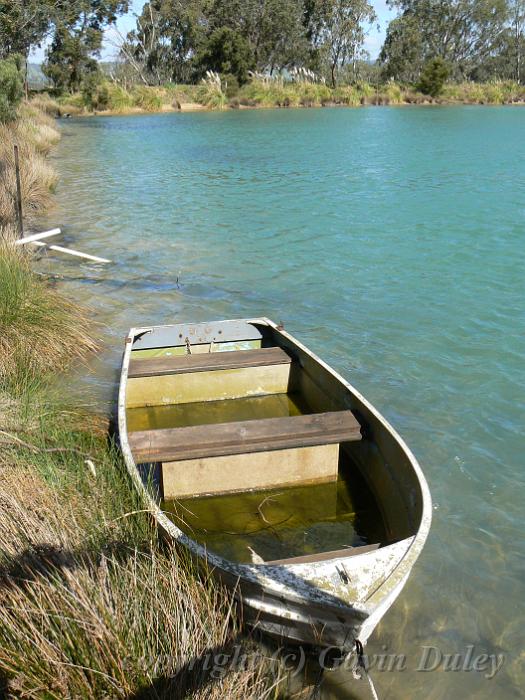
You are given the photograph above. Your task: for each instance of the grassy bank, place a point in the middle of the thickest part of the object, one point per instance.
(35, 133)
(113, 99)
(92, 604)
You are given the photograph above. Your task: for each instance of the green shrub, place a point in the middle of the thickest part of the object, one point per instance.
(230, 85)
(433, 77)
(119, 100)
(227, 51)
(76, 101)
(95, 91)
(393, 93)
(347, 95)
(147, 98)
(11, 87)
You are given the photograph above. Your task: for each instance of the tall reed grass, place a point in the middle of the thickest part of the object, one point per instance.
(262, 91)
(496, 92)
(211, 92)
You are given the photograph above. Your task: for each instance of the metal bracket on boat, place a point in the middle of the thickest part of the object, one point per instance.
(343, 574)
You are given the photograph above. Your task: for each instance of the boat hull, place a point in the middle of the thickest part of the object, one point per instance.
(327, 603)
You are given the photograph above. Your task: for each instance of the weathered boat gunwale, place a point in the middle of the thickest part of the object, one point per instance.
(293, 585)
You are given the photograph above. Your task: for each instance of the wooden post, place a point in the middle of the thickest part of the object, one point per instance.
(19, 212)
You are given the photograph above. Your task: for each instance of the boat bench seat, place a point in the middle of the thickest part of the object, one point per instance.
(241, 437)
(206, 362)
(255, 454)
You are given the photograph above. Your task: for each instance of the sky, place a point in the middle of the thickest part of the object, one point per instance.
(125, 23)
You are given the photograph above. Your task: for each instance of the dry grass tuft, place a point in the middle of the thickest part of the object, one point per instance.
(35, 133)
(91, 604)
(45, 104)
(42, 331)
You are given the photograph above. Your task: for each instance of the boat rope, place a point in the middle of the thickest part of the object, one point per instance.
(361, 668)
(316, 690)
(188, 346)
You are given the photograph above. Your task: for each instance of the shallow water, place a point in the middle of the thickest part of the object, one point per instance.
(389, 240)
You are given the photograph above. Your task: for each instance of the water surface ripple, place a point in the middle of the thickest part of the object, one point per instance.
(391, 241)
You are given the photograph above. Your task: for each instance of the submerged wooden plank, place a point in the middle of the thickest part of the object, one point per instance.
(199, 441)
(210, 412)
(240, 472)
(207, 386)
(207, 362)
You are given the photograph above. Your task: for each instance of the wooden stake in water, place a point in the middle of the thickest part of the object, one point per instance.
(19, 213)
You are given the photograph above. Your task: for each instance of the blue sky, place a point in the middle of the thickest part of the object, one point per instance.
(127, 22)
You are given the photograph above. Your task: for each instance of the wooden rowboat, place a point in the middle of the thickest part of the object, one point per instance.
(258, 458)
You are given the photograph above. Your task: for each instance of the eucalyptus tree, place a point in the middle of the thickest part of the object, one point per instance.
(273, 28)
(23, 25)
(464, 33)
(336, 30)
(402, 54)
(179, 39)
(78, 28)
(168, 35)
(227, 52)
(280, 40)
(517, 12)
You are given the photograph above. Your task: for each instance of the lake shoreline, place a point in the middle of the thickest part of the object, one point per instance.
(195, 108)
(112, 99)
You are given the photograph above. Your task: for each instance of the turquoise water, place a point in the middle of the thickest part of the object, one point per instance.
(391, 241)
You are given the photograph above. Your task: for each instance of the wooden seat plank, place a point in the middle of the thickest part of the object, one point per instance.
(241, 437)
(183, 364)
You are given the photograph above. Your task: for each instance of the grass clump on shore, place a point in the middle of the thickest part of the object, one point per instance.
(497, 92)
(91, 603)
(41, 331)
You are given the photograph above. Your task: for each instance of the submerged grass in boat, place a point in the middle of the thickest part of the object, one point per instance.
(282, 523)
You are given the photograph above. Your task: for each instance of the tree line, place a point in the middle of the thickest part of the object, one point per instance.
(180, 40)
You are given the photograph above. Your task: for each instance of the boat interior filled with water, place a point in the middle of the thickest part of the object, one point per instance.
(259, 456)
